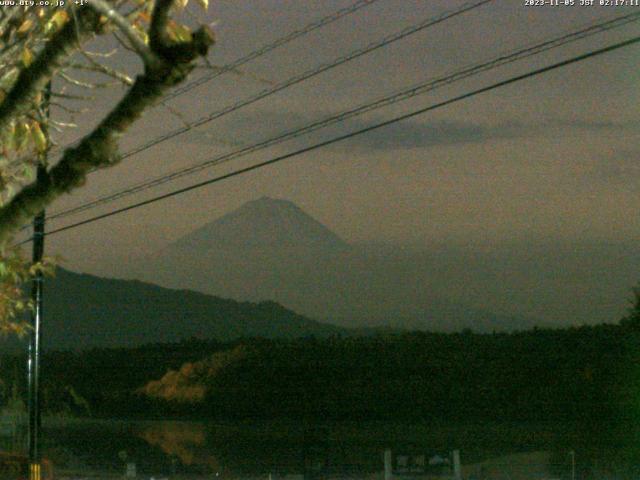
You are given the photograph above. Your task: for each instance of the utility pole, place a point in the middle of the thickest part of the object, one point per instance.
(573, 464)
(33, 365)
(34, 349)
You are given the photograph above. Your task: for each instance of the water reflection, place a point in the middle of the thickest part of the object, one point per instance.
(250, 450)
(185, 442)
(228, 449)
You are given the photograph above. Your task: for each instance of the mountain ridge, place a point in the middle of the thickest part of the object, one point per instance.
(264, 222)
(271, 249)
(86, 311)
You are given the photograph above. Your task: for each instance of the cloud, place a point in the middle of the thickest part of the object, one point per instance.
(246, 129)
(408, 135)
(415, 134)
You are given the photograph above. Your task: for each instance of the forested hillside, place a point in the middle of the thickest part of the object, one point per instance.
(84, 311)
(580, 375)
(577, 375)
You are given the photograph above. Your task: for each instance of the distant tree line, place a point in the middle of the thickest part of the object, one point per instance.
(580, 375)
(583, 381)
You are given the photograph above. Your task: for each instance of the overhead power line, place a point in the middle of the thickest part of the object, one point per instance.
(296, 79)
(426, 23)
(272, 46)
(421, 88)
(361, 131)
(269, 47)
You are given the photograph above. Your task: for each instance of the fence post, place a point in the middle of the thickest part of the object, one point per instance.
(457, 469)
(388, 465)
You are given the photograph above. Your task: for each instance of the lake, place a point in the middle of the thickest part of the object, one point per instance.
(280, 448)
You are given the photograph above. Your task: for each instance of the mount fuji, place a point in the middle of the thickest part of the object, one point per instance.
(271, 250)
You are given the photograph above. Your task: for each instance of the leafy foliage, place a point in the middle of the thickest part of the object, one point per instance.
(575, 388)
(23, 33)
(585, 375)
(44, 64)
(189, 384)
(15, 272)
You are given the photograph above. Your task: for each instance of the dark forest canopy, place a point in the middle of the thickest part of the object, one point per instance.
(577, 375)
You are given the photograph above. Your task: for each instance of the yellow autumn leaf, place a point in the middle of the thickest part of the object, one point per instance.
(57, 21)
(21, 135)
(39, 138)
(60, 18)
(6, 82)
(27, 57)
(25, 26)
(143, 33)
(182, 33)
(144, 16)
(204, 4)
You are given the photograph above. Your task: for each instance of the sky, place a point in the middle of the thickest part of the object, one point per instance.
(549, 160)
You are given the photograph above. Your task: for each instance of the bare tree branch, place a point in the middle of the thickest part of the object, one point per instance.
(158, 29)
(100, 68)
(70, 96)
(34, 78)
(99, 149)
(108, 54)
(137, 43)
(63, 124)
(123, 43)
(70, 111)
(88, 85)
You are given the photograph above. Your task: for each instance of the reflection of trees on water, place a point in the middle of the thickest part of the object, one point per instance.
(249, 450)
(234, 450)
(185, 441)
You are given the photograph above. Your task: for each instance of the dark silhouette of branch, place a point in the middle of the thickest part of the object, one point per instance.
(167, 64)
